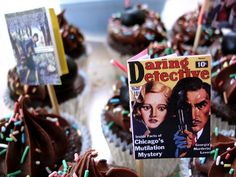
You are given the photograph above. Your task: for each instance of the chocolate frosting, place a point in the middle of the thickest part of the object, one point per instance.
(132, 16)
(186, 26)
(210, 167)
(36, 142)
(133, 30)
(118, 111)
(73, 39)
(86, 164)
(72, 84)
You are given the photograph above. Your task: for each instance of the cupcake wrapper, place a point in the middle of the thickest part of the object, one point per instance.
(224, 128)
(122, 155)
(85, 135)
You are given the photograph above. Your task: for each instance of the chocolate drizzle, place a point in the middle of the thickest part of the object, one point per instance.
(36, 142)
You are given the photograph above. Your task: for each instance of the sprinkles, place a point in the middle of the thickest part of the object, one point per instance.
(3, 151)
(110, 125)
(24, 154)
(3, 145)
(86, 173)
(231, 171)
(14, 173)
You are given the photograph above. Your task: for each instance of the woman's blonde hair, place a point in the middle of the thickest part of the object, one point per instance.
(149, 87)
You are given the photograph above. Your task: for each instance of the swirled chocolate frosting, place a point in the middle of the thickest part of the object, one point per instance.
(85, 165)
(32, 142)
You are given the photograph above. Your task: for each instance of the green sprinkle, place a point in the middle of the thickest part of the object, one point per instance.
(3, 151)
(111, 124)
(232, 75)
(216, 153)
(216, 131)
(14, 173)
(156, 55)
(150, 51)
(64, 165)
(168, 51)
(212, 152)
(9, 139)
(60, 172)
(24, 154)
(86, 173)
(214, 74)
(125, 112)
(231, 171)
(1, 136)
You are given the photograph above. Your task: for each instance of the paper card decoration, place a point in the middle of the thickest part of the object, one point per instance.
(170, 106)
(37, 47)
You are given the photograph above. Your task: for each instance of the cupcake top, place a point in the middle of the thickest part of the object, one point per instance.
(85, 165)
(32, 142)
(222, 162)
(135, 27)
(72, 84)
(117, 108)
(73, 39)
(186, 28)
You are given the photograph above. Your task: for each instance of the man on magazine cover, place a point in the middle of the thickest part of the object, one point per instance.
(190, 105)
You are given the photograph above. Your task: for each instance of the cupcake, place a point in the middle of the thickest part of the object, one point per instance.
(223, 79)
(72, 84)
(85, 165)
(73, 39)
(131, 31)
(34, 142)
(224, 149)
(185, 28)
(116, 129)
(221, 140)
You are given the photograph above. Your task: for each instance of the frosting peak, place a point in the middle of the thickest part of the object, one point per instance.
(32, 143)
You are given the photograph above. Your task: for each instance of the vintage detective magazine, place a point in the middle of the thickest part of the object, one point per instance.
(37, 46)
(170, 105)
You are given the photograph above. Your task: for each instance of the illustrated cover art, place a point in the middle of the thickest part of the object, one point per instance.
(170, 106)
(33, 46)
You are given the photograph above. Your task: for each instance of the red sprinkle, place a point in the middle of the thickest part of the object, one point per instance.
(227, 156)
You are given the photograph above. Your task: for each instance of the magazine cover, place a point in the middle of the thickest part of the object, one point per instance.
(170, 106)
(221, 14)
(34, 47)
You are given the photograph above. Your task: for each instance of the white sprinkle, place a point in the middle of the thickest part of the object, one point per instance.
(235, 143)
(52, 119)
(37, 162)
(53, 174)
(3, 145)
(76, 157)
(74, 175)
(48, 170)
(218, 160)
(222, 163)
(228, 148)
(190, 172)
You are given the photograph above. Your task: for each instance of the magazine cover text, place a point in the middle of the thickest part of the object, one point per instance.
(170, 106)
